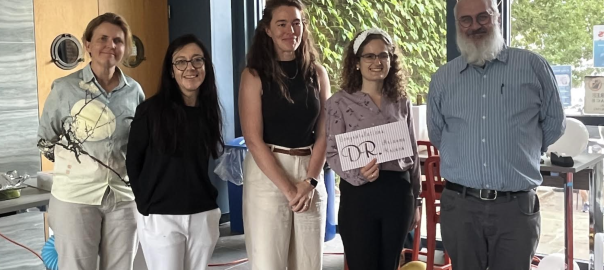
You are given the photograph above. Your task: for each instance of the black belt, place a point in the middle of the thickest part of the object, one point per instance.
(483, 194)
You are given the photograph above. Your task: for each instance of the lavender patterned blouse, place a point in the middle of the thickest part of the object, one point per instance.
(349, 112)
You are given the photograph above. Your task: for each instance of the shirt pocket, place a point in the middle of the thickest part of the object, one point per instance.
(520, 100)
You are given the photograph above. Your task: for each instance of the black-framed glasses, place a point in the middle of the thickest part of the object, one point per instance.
(370, 57)
(196, 62)
(482, 19)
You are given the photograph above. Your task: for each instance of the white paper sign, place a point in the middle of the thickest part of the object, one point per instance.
(386, 142)
(594, 94)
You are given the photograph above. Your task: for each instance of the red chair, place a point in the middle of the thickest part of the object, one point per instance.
(432, 191)
(431, 149)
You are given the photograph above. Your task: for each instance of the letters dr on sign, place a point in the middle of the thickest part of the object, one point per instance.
(385, 143)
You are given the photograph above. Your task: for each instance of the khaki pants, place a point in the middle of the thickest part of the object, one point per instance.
(83, 233)
(275, 237)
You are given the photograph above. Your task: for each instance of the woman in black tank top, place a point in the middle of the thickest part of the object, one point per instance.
(289, 124)
(281, 99)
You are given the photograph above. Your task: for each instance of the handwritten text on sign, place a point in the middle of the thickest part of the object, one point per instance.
(385, 142)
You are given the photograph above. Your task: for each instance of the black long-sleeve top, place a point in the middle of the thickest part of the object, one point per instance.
(169, 184)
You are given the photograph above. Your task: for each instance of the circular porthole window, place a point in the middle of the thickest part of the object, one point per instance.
(66, 51)
(138, 52)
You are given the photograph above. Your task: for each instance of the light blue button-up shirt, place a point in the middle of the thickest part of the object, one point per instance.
(101, 121)
(492, 124)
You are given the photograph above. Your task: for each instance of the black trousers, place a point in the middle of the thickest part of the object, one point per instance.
(374, 220)
(498, 235)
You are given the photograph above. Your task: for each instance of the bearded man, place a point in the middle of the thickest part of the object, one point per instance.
(492, 112)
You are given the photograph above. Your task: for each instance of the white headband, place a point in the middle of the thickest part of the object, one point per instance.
(361, 38)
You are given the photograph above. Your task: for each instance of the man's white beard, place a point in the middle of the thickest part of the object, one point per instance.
(486, 50)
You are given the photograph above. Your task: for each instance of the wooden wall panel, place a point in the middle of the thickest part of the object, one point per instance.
(52, 18)
(148, 20)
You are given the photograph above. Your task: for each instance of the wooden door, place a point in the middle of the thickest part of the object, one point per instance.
(148, 20)
(52, 18)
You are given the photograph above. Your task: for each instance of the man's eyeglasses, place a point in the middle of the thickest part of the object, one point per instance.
(370, 57)
(196, 62)
(482, 19)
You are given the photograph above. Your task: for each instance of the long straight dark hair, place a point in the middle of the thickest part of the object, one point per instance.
(262, 59)
(168, 115)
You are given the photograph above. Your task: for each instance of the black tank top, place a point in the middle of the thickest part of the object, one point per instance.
(288, 124)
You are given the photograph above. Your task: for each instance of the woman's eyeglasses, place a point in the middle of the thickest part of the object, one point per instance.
(370, 57)
(196, 62)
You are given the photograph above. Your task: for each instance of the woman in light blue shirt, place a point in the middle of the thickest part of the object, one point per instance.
(84, 130)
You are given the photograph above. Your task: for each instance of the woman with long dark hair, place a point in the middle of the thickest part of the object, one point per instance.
(173, 136)
(281, 98)
(378, 202)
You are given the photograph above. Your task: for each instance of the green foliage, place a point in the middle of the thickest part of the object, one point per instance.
(417, 26)
(560, 31)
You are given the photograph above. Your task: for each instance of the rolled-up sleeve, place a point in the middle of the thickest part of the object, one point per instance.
(335, 125)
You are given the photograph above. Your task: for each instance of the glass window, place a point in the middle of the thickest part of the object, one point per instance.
(563, 33)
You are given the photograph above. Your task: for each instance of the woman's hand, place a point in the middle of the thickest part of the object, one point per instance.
(416, 218)
(303, 199)
(290, 194)
(371, 171)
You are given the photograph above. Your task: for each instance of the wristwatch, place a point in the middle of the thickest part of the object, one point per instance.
(312, 181)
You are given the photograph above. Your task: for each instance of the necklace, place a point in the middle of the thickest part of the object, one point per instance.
(296, 74)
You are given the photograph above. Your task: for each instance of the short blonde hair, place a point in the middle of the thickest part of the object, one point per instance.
(114, 19)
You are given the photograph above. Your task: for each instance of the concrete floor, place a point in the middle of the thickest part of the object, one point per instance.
(27, 228)
(232, 248)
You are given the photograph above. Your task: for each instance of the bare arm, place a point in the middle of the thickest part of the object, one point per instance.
(250, 113)
(317, 159)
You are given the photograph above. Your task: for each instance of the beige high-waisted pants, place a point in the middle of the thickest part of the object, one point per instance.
(275, 237)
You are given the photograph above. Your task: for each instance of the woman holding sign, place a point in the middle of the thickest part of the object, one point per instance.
(281, 98)
(379, 196)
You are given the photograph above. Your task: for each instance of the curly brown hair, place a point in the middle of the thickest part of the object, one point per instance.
(262, 60)
(395, 83)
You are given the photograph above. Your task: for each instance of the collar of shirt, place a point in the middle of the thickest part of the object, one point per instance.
(363, 98)
(88, 76)
(502, 57)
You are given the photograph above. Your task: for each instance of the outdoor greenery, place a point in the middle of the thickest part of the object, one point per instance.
(560, 31)
(417, 26)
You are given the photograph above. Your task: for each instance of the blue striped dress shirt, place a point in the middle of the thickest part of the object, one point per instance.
(492, 124)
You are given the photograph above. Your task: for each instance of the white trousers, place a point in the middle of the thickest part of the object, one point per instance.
(275, 237)
(179, 242)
